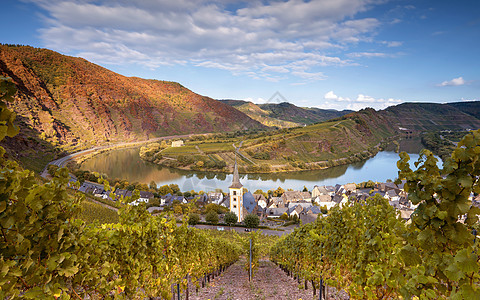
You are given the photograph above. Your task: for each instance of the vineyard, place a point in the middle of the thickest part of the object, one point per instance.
(367, 250)
(48, 252)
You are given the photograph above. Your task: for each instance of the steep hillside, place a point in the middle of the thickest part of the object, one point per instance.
(263, 116)
(430, 117)
(351, 138)
(68, 101)
(469, 107)
(284, 114)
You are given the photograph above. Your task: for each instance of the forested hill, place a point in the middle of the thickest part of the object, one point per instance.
(285, 114)
(68, 100)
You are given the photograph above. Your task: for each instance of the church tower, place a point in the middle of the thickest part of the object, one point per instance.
(236, 194)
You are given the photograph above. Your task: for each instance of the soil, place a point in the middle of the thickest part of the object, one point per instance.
(269, 282)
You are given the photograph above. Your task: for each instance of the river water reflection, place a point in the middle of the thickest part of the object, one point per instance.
(126, 164)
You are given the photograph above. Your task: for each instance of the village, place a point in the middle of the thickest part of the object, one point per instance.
(301, 206)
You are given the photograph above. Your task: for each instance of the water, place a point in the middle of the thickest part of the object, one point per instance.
(126, 164)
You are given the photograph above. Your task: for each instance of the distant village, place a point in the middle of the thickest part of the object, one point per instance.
(305, 205)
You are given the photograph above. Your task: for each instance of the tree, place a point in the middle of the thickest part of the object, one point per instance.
(153, 185)
(260, 192)
(174, 188)
(52, 169)
(193, 219)
(251, 221)
(230, 218)
(305, 189)
(212, 217)
(278, 192)
(165, 189)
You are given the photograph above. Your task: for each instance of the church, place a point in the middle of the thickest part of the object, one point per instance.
(236, 194)
(241, 204)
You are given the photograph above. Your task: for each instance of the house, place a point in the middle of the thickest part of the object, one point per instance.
(201, 199)
(350, 188)
(215, 197)
(225, 202)
(310, 215)
(93, 188)
(178, 143)
(321, 190)
(313, 210)
(391, 195)
(295, 196)
(295, 211)
(307, 196)
(274, 212)
(302, 204)
(145, 196)
(330, 189)
(261, 200)
(122, 194)
(339, 189)
(325, 200)
(276, 202)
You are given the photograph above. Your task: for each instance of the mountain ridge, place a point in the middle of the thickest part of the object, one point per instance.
(69, 101)
(284, 114)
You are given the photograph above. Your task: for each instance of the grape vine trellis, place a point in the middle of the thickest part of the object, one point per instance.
(46, 252)
(366, 249)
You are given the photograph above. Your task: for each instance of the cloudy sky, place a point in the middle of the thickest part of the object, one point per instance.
(340, 54)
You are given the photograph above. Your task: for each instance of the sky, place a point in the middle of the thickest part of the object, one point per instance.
(332, 54)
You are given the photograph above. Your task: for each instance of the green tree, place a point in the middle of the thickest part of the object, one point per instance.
(251, 221)
(230, 218)
(211, 217)
(193, 219)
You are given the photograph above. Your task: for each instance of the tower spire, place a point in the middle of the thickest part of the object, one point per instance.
(236, 184)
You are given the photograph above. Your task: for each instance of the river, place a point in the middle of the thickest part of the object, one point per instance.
(126, 164)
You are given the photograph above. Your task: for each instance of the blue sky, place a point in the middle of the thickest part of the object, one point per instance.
(339, 54)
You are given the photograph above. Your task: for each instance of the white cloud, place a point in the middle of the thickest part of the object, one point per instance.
(367, 54)
(391, 43)
(331, 96)
(454, 82)
(360, 102)
(266, 37)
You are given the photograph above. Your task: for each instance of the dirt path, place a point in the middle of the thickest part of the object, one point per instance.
(268, 283)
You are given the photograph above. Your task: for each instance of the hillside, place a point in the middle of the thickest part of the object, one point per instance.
(348, 139)
(68, 102)
(284, 114)
(420, 117)
(469, 107)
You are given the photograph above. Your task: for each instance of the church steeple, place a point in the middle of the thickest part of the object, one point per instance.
(236, 184)
(236, 194)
